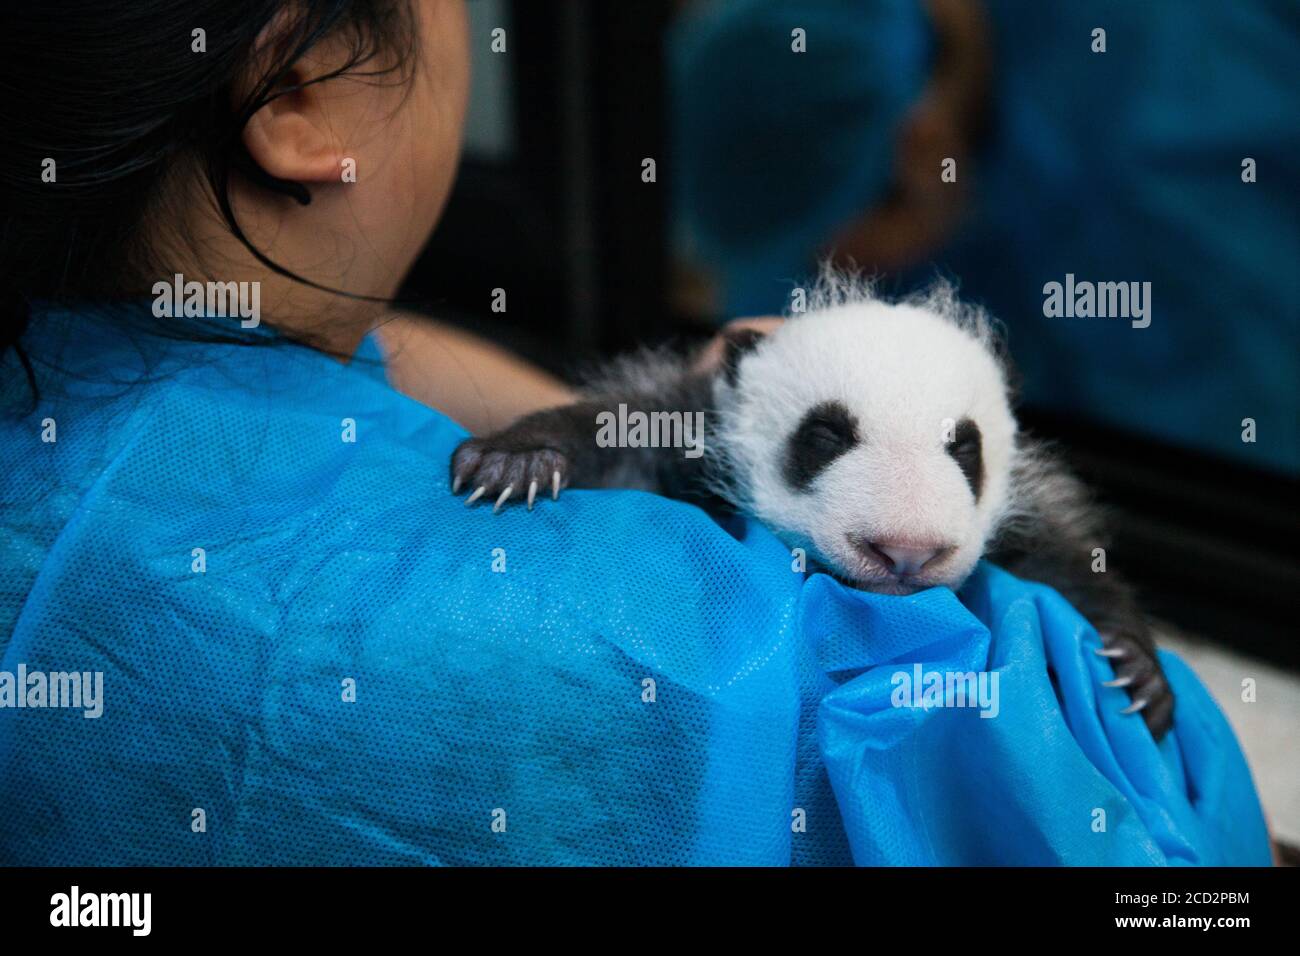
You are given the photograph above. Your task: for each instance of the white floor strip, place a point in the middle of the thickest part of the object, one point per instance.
(1269, 728)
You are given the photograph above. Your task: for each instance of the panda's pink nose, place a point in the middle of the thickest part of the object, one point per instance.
(905, 558)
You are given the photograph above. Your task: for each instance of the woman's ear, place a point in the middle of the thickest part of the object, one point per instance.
(291, 137)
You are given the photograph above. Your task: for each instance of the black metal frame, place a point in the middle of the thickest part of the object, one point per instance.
(567, 228)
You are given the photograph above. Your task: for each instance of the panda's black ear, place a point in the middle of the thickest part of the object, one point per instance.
(737, 343)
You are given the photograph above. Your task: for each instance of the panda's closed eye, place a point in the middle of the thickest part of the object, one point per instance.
(827, 431)
(966, 448)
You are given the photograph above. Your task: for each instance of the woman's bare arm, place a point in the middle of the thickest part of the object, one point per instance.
(480, 385)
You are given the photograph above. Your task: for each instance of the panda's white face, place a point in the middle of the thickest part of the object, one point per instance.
(877, 436)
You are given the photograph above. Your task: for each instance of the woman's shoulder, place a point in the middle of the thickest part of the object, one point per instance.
(119, 454)
(272, 465)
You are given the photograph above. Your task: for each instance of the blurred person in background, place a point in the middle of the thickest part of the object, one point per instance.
(1113, 142)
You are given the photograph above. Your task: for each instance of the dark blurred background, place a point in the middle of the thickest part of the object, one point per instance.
(551, 205)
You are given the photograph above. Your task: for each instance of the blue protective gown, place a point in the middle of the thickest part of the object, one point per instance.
(362, 670)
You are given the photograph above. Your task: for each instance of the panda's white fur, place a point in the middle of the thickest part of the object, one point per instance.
(907, 371)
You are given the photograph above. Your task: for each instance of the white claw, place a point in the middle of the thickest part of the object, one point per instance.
(475, 496)
(505, 495)
(532, 493)
(1137, 705)
(455, 485)
(1118, 653)
(1118, 681)
(555, 485)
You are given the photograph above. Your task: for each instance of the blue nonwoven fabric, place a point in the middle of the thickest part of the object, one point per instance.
(614, 678)
(942, 785)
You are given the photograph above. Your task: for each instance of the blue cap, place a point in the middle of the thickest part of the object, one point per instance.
(774, 150)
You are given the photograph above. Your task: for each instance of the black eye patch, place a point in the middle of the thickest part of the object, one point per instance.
(827, 431)
(966, 449)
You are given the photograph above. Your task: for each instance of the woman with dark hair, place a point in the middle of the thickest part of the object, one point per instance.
(242, 620)
(307, 148)
(215, 508)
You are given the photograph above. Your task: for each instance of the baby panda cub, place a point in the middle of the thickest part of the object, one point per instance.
(877, 436)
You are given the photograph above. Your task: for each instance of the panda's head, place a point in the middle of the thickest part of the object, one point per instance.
(878, 436)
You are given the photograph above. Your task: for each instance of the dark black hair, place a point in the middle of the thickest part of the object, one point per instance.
(115, 93)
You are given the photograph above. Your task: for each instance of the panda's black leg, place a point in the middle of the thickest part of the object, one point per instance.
(1138, 672)
(500, 476)
(558, 448)
(541, 453)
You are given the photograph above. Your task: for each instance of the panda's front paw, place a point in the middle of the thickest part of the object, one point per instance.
(1138, 672)
(499, 469)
